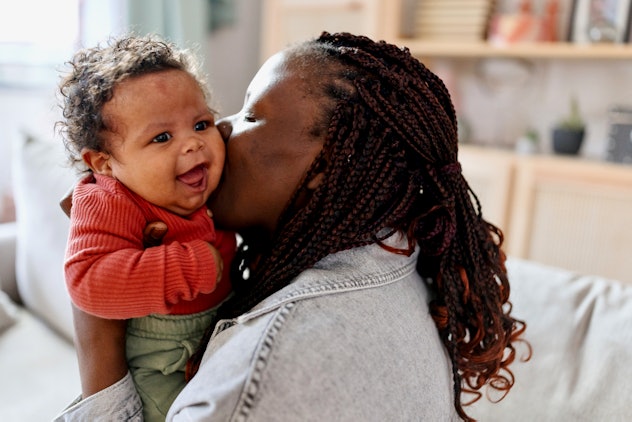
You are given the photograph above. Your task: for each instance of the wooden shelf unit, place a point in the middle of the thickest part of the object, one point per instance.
(549, 50)
(287, 21)
(390, 30)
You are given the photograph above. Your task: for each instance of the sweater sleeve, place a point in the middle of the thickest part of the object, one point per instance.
(110, 275)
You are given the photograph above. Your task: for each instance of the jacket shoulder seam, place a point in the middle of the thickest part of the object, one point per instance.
(259, 363)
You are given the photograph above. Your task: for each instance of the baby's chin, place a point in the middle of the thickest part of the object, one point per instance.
(187, 208)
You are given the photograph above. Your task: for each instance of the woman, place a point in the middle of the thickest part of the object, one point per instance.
(368, 286)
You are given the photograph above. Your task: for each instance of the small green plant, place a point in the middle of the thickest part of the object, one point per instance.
(532, 136)
(529, 142)
(574, 120)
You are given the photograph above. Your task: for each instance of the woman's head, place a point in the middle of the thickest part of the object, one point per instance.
(357, 135)
(94, 73)
(369, 136)
(269, 149)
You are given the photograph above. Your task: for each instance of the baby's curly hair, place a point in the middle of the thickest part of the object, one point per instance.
(95, 72)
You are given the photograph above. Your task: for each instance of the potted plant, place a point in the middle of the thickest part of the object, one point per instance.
(568, 134)
(529, 142)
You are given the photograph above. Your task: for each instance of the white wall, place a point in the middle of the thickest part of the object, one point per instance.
(500, 98)
(234, 57)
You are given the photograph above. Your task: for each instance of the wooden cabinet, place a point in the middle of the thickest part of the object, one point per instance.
(574, 214)
(560, 211)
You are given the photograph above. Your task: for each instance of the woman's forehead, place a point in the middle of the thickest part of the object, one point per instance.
(278, 77)
(270, 73)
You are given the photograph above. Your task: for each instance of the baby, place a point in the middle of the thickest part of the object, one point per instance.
(136, 115)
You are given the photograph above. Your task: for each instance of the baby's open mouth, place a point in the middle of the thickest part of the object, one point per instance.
(194, 177)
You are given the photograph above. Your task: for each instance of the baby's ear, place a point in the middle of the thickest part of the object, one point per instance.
(98, 161)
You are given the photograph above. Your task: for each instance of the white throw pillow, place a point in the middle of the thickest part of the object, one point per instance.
(40, 179)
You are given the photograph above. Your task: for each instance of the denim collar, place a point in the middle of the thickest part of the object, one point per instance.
(358, 268)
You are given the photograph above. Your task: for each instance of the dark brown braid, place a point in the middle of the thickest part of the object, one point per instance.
(390, 161)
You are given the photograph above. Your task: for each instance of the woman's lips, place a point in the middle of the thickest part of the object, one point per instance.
(195, 178)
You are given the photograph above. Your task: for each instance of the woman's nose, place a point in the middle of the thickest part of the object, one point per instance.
(225, 128)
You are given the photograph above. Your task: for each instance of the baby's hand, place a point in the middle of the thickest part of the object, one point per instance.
(66, 202)
(156, 230)
(153, 233)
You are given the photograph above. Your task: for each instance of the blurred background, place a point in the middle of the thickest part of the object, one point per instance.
(543, 95)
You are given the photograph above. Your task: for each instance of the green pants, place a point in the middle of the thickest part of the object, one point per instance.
(157, 349)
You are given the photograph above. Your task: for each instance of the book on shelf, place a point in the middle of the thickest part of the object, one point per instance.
(453, 20)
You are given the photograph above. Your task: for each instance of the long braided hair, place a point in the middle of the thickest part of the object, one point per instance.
(390, 162)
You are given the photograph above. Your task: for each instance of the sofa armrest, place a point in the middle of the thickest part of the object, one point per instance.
(8, 235)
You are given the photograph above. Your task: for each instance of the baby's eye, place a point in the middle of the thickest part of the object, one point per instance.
(200, 126)
(163, 137)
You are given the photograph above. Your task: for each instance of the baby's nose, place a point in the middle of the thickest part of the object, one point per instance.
(194, 143)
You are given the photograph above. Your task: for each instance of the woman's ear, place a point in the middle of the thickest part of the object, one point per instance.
(98, 161)
(315, 181)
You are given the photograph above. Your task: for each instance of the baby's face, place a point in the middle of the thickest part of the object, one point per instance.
(163, 143)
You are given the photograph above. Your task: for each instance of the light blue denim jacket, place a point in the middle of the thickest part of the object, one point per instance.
(349, 340)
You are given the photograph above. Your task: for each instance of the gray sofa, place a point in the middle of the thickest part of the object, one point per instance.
(38, 368)
(579, 326)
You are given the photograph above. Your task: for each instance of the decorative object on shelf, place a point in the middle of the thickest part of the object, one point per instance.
(452, 20)
(568, 134)
(620, 135)
(601, 21)
(525, 24)
(549, 21)
(528, 143)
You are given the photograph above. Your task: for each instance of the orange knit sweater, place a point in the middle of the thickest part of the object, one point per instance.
(108, 272)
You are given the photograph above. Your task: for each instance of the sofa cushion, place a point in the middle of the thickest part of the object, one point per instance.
(579, 328)
(40, 179)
